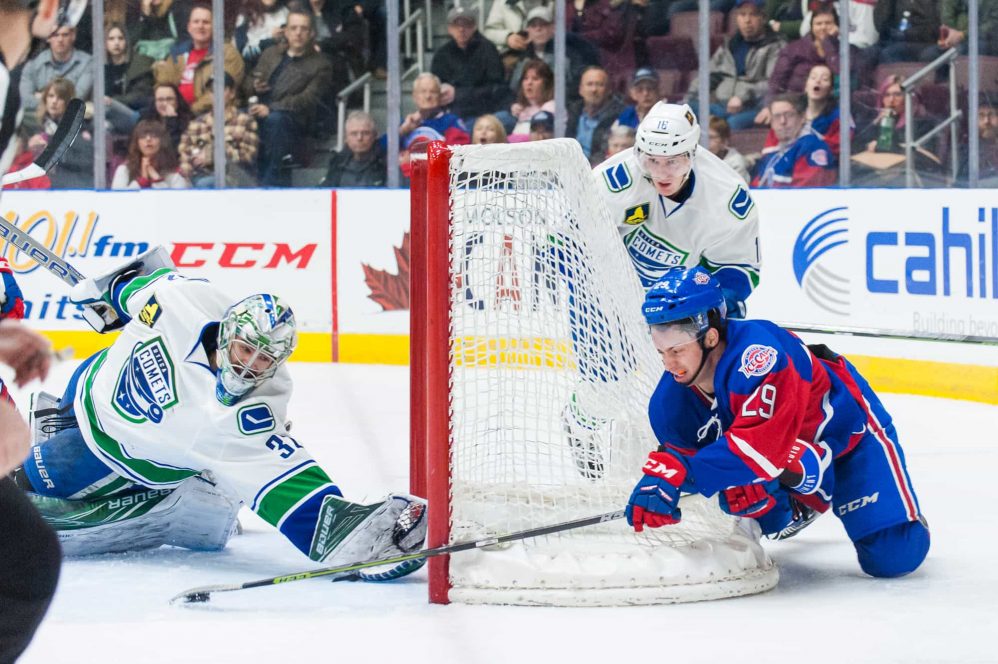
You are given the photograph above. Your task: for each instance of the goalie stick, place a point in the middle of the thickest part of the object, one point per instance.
(203, 593)
(64, 136)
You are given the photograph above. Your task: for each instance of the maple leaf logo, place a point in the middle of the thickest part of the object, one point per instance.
(391, 291)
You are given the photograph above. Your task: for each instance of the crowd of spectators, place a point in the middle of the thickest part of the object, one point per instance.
(774, 77)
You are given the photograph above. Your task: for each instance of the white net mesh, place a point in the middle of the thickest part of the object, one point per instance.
(551, 371)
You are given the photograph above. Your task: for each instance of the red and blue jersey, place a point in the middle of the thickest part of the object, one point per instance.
(772, 400)
(807, 162)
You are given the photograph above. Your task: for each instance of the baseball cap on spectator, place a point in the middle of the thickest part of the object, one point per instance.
(421, 135)
(645, 74)
(459, 12)
(229, 81)
(543, 119)
(546, 14)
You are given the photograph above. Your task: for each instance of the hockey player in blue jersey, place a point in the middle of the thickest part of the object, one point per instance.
(159, 438)
(780, 431)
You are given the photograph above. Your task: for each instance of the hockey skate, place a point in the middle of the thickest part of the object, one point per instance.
(803, 516)
(587, 437)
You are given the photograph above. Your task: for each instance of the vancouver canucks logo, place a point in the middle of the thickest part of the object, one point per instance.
(147, 384)
(741, 203)
(617, 178)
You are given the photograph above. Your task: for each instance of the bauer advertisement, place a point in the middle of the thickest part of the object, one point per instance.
(919, 262)
(243, 241)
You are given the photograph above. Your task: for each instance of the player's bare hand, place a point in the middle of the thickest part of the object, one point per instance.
(28, 353)
(15, 438)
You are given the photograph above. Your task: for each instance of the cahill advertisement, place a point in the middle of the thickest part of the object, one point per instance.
(919, 262)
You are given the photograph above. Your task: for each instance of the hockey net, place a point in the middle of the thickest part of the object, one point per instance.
(531, 373)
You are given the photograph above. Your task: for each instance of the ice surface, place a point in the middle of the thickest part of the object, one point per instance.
(354, 419)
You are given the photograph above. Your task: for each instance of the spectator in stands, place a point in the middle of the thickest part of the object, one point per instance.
(536, 94)
(619, 139)
(377, 21)
(196, 150)
(152, 162)
(285, 92)
(156, 26)
(542, 126)
(76, 168)
(644, 94)
(540, 46)
(60, 60)
(128, 80)
(886, 134)
(652, 17)
(505, 27)
(822, 113)
(169, 109)
(987, 133)
(260, 25)
(719, 133)
(487, 130)
(677, 6)
(473, 80)
(341, 34)
(590, 118)
(911, 31)
(188, 65)
(801, 158)
(792, 19)
(430, 114)
(610, 26)
(361, 163)
(953, 31)
(740, 68)
(24, 158)
(820, 46)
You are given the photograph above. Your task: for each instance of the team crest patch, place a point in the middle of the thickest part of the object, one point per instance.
(757, 360)
(637, 214)
(741, 203)
(147, 384)
(820, 158)
(617, 178)
(256, 418)
(150, 312)
(701, 279)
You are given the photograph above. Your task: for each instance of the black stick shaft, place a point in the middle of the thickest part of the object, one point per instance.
(202, 594)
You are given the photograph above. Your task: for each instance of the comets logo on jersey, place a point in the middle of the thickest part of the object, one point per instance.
(147, 384)
(637, 214)
(757, 360)
(150, 312)
(652, 255)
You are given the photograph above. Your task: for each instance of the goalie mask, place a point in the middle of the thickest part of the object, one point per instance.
(256, 336)
(665, 144)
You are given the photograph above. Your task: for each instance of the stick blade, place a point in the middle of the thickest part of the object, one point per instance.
(64, 136)
(200, 595)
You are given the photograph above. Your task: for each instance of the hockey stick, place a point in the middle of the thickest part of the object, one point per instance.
(64, 136)
(203, 594)
(893, 334)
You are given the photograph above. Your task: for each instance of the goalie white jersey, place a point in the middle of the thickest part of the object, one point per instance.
(147, 409)
(714, 223)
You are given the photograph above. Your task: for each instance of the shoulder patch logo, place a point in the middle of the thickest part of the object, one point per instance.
(758, 360)
(820, 158)
(617, 178)
(150, 312)
(637, 214)
(256, 418)
(741, 203)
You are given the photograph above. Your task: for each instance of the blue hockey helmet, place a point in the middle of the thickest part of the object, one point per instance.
(683, 294)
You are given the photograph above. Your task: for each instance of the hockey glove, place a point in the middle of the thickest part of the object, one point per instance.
(11, 301)
(749, 500)
(655, 500)
(98, 296)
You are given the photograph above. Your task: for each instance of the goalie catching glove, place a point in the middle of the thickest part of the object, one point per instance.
(655, 500)
(102, 298)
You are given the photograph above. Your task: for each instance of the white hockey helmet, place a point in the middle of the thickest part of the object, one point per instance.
(256, 336)
(668, 130)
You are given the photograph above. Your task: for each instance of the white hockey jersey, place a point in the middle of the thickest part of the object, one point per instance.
(147, 408)
(714, 225)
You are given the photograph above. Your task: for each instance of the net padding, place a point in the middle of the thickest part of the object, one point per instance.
(551, 371)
